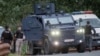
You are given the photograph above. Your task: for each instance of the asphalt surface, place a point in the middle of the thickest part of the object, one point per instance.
(87, 53)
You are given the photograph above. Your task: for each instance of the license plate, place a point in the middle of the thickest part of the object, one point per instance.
(98, 41)
(68, 40)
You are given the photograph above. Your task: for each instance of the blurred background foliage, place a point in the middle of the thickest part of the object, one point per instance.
(13, 11)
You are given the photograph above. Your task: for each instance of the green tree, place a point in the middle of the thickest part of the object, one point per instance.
(13, 11)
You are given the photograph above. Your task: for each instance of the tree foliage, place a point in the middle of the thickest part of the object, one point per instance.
(13, 11)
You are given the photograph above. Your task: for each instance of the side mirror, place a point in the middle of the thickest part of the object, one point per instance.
(75, 22)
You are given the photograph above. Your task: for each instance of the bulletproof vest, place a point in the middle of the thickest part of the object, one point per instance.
(19, 34)
(88, 29)
(7, 35)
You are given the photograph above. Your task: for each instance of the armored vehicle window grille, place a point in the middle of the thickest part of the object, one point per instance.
(67, 19)
(51, 20)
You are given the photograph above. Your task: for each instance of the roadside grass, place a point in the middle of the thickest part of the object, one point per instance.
(23, 51)
(15, 55)
(12, 55)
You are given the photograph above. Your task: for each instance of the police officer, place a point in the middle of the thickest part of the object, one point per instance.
(19, 36)
(6, 36)
(88, 35)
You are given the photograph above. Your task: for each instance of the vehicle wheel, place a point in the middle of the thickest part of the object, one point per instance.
(35, 52)
(31, 50)
(65, 50)
(81, 47)
(96, 48)
(47, 47)
(58, 51)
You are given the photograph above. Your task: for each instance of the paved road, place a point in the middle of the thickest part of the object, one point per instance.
(93, 53)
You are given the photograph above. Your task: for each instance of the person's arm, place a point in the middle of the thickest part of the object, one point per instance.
(15, 34)
(24, 36)
(11, 36)
(94, 31)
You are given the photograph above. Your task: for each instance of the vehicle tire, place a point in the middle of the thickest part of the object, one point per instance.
(65, 50)
(96, 47)
(35, 52)
(81, 47)
(57, 51)
(47, 47)
(31, 50)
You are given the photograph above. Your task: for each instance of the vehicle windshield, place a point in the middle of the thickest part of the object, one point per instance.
(64, 20)
(51, 21)
(93, 22)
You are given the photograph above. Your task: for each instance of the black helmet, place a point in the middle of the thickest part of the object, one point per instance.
(6, 27)
(88, 22)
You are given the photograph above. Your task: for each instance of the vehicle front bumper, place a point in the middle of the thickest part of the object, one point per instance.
(96, 40)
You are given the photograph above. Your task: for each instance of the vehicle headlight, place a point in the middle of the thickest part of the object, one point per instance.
(80, 41)
(80, 31)
(55, 33)
(56, 43)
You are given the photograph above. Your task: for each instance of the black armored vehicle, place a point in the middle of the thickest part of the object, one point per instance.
(52, 32)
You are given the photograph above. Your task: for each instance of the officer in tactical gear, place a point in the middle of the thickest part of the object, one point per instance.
(88, 35)
(19, 36)
(6, 36)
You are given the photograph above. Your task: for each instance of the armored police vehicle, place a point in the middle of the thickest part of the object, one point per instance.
(94, 21)
(52, 32)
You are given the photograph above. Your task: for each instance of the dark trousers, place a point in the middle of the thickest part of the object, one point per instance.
(14, 47)
(89, 41)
